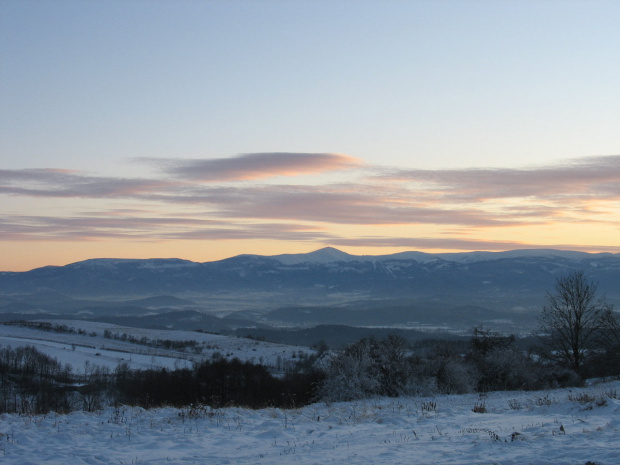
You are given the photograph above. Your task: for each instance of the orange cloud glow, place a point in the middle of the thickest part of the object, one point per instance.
(572, 205)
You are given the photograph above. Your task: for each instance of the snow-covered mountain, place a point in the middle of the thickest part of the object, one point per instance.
(325, 255)
(507, 281)
(330, 255)
(406, 273)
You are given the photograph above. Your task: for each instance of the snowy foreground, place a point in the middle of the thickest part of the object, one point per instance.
(565, 426)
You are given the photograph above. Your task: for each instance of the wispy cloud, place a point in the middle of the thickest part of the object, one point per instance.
(65, 183)
(358, 204)
(108, 225)
(428, 243)
(254, 166)
(200, 199)
(425, 243)
(155, 229)
(582, 179)
(100, 226)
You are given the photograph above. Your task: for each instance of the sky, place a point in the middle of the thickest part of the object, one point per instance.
(206, 129)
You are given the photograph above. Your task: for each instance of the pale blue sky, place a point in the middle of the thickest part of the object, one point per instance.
(417, 83)
(284, 126)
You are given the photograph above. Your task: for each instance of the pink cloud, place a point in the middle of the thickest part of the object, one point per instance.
(255, 166)
(586, 190)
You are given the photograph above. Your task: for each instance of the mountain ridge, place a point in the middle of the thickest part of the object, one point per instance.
(516, 279)
(325, 254)
(334, 255)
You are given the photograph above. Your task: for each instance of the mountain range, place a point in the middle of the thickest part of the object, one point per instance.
(326, 286)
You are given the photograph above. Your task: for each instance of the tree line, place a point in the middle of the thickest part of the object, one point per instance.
(34, 383)
(579, 337)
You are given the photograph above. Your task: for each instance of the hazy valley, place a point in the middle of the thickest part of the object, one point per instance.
(449, 293)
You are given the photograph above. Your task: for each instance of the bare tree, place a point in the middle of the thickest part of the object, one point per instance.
(611, 330)
(573, 319)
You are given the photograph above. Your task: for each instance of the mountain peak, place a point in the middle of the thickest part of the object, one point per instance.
(324, 255)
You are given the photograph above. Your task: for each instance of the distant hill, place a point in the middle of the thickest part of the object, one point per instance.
(490, 284)
(409, 274)
(162, 301)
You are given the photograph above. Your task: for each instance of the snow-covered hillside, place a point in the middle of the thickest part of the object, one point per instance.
(562, 427)
(88, 344)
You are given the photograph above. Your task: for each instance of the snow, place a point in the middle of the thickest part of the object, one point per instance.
(518, 428)
(560, 427)
(80, 356)
(77, 349)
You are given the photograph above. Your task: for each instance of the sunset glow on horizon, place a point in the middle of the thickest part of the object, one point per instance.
(204, 130)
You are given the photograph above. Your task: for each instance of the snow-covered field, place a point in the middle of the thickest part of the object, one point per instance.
(92, 347)
(571, 427)
(562, 427)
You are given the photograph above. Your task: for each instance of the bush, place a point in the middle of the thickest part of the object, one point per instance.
(217, 383)
(500, 366)
(448, 372)
(369, 367)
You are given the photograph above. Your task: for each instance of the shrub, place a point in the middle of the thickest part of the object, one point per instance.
(479, 408)
(369, 367)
